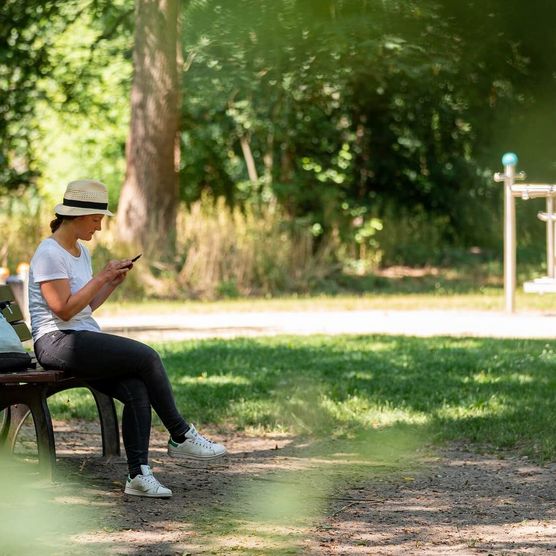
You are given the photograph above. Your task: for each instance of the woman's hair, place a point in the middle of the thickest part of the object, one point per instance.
(57, 222)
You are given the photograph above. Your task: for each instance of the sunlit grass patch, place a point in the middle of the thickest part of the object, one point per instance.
(495, 393)
(216, 380)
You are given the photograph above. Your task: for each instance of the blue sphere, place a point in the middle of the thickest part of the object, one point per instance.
(509, 159)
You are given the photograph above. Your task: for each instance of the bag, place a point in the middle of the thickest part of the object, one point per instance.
(12, 355)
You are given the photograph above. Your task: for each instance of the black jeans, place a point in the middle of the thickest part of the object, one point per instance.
(125, 369)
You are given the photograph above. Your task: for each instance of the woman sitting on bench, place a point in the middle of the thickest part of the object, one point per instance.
(63, 293)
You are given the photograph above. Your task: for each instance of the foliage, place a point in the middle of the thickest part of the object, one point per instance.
(23, 225)
(350, 110)
(357, 120)
(64, 102)
(25, 39)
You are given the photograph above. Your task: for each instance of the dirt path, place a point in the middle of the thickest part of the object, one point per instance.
(464, 503)
(283, 495)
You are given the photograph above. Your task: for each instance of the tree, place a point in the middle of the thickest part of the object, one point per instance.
(148, 201)
(26, 31)
(354, 110)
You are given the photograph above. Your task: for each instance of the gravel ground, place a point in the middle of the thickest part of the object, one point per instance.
(453, 501)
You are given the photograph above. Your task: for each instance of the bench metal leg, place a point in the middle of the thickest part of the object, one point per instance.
(108, 423)
(106, 411)
(45, 435)
(20, 401)
(18, 413)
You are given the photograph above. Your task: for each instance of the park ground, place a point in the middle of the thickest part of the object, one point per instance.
(389, 490)
(276, 494)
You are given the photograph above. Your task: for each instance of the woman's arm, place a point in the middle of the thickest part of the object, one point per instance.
(106, 290)
(65, 305)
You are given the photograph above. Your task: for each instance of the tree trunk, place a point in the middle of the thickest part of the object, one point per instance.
(149, 197)
(249, 160)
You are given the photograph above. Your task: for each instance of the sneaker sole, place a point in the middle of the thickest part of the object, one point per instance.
(175, 454)
(133, 492)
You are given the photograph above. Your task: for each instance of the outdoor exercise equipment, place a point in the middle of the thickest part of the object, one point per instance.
(525, 191)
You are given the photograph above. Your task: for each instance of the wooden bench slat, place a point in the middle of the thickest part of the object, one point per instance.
(12, 313)
(31, 377)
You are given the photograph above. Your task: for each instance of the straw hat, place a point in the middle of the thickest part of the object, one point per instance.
(84, 197)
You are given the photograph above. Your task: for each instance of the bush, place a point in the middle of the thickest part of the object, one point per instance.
(411, 237)
(24, 225)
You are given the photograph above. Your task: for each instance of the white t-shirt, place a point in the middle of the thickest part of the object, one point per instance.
(52, 262)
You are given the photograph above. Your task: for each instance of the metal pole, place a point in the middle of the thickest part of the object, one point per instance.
(509, 160)
(550, 237)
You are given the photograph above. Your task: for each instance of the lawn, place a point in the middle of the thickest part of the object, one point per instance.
(494, 394)
(490, 299)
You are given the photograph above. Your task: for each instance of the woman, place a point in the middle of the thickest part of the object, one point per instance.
(63, 293)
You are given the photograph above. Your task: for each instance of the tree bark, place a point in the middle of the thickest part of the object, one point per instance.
(149, 196)
(249, 160)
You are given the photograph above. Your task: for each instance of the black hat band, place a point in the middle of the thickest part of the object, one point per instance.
(85, 204)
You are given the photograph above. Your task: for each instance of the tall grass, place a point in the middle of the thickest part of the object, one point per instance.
(226, 253)
(260, 251)
(22, 226)
(240, 252)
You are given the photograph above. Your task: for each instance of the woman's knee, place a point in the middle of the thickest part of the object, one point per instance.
(151, 360)
(133, 391)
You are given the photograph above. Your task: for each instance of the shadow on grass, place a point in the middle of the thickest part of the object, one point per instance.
(494, 392)
(497, 393)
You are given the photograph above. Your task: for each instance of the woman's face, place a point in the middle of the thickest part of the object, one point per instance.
(86, 226)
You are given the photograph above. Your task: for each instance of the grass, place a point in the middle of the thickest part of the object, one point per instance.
(494, 394)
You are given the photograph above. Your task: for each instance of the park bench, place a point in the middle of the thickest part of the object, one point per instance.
(27, 391)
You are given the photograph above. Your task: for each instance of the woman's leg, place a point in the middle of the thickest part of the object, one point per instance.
(99, 356)
(136, 418)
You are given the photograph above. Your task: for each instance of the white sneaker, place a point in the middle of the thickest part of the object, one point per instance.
(146, 485)
(195, 446)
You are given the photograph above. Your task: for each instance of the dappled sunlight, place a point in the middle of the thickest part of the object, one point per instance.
(363, 414)
(517, 378)
(493, 406)
(216, 380)
(279, 507)
(481, 389)
(256, 539)
(359, 410)
(120, 537)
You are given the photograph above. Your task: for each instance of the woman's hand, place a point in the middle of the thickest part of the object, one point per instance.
(112, 275)
(119, 279)
(66, 304)
(115, 271)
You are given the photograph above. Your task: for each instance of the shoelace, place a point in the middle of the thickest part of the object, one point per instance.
(200, 440)
(152, 480)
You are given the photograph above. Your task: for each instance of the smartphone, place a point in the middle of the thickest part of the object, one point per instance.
(133, 260)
